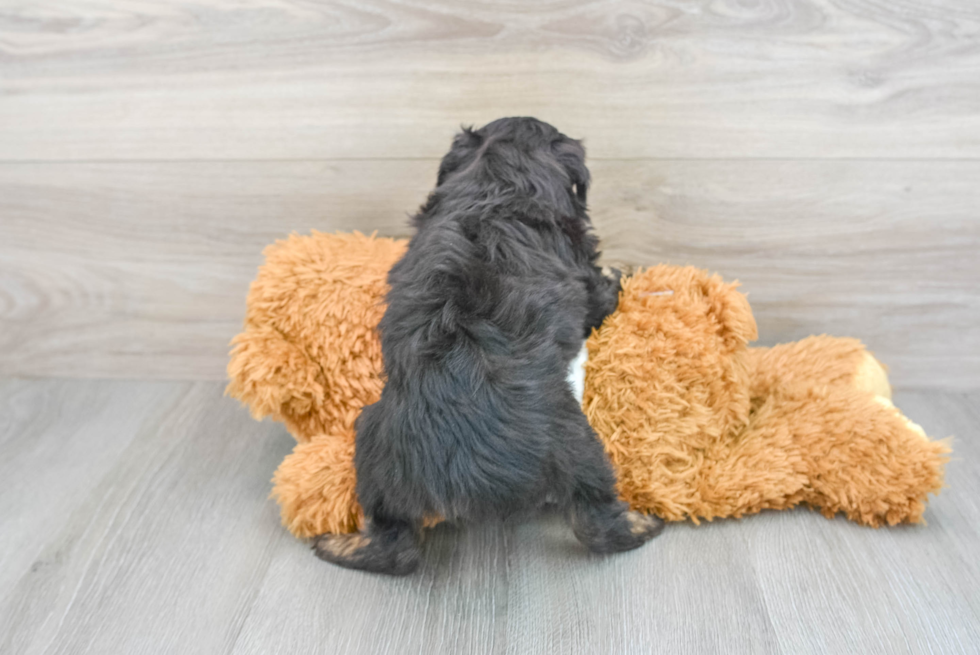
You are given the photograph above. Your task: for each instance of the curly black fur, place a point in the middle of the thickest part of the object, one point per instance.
(494, 297)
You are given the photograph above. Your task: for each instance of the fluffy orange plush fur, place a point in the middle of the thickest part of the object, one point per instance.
(697, 423)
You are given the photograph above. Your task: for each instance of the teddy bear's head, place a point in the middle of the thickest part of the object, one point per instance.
(668, 377)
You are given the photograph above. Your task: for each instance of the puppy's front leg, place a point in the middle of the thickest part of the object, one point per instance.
(603, 296)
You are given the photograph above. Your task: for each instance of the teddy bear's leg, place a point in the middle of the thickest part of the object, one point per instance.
(385, 546)
(817, 361)
(315, 487)
(585, 479)
(862, 456)
(859, 455)
(761, 468)
(878, 467)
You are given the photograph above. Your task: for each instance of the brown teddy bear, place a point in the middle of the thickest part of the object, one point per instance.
(697, 424)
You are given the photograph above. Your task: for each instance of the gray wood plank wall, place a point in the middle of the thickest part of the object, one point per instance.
(827, 154)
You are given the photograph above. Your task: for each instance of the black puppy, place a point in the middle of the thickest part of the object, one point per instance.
(492, 300)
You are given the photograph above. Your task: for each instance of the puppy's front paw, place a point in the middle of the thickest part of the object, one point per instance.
(612, 274)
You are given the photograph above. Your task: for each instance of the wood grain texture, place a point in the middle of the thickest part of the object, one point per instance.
(207, 79)
(140, 270)
(164, 541)
(458, 603)
(46, 430)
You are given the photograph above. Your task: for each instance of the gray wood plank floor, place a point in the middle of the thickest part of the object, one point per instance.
(135, 519)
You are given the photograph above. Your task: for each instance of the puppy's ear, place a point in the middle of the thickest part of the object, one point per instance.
(464, 145)
(571, 154)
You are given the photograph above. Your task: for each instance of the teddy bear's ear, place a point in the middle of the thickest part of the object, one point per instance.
(730, 308)
(706, 300)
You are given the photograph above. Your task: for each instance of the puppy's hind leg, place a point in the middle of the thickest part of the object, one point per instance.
(385, 546)
(602, 522)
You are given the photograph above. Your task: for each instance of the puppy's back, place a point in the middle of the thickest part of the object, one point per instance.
(476, 337)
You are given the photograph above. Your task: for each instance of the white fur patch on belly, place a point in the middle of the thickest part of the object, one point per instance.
(576, 373)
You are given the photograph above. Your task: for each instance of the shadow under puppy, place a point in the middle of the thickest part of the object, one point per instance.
(495, 296)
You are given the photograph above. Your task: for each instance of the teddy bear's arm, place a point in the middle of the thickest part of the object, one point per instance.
(276, 378)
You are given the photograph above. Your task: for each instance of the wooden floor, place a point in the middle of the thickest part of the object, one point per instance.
(136, 520)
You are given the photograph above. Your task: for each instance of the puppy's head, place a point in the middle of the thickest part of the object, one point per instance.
(519, 155)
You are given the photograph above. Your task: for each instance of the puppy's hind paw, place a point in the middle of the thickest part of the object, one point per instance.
(617, 531)
(644, 526)
(368, 553)
(336, 547)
